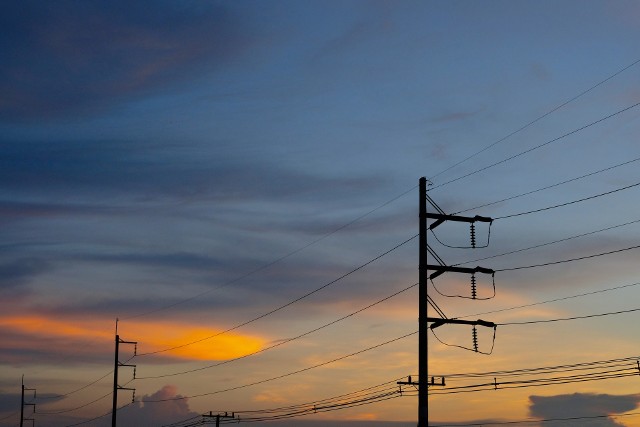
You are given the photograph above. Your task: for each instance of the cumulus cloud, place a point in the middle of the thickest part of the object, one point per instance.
(583, 405)
(145, 413)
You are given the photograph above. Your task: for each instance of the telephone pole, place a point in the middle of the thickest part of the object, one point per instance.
(424, 300)
(218, 417)
(23, 404)
(116, 365)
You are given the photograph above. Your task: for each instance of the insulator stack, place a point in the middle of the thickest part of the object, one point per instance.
(473, 287)
(474, 335)
(473, 235)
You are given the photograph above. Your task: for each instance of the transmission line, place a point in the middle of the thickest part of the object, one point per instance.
(278, 344)
(548, 186)
(308, 368)
(537, 146)
(537, 119)
(308, 294)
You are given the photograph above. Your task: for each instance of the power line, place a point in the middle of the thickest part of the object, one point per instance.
(287, 374)
(589, 316)
(569, 260)
(278, 344)
(549, 186)
(537, 119)
(537, 146)
(98, 417)
(551, 300)
(546, 369)
(569, 203)
(549, 243)
(277, 260)
(284, 305)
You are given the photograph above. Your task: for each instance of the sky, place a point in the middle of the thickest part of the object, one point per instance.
(233, 185)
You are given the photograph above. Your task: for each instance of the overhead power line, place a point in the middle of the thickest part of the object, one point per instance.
(588, 316)
(615, 288)
(280, 343)
(549, 186)
(275, 261)
(536, 147)
(569, 260)
(287, 374)
(584, 92)
(589, 233)
(569, 203)
(275, 310)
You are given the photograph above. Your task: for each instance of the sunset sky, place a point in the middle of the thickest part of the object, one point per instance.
(237, 183)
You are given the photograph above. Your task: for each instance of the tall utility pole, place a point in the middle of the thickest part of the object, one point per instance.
(117, 364)
(23, 404)
(423, 302)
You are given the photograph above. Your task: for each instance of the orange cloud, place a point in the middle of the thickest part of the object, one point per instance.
(151, 336)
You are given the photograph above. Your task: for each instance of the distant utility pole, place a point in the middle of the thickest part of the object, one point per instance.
(23, 404)
(424, 300)
(116, 365)
(218, 417)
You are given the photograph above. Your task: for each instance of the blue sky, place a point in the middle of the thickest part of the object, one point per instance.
(188, 167)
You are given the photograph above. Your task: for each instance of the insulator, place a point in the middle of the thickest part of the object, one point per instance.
(474, 335)
(473, 287)
(133, 398)
(135, 349)
(473, 235)
(134, 372)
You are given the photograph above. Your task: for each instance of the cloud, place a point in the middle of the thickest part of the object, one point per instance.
(37, 337)
(64, 57)
(18, 272)
(144, 413)
(583, 405)
(83, 168)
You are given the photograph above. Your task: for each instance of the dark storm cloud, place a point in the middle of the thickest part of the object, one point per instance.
(66, 56)
(583, 405)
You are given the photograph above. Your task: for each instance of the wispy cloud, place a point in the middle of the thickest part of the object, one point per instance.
(68, 58)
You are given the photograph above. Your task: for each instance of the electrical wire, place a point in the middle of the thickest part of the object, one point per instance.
(271, 263)
(536, 147)
(283, 341)
(570, 259)
(568, 203)
(548, 243)
(548, 186)
(537, 119)
(98, 417)
(588, 316)
(545, 369)
(287, 374)
(368, 395)
(615, 288)
(308, 294)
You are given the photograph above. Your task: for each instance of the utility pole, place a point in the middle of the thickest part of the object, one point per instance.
(23, 404)
(116, 365)
(424, 300)
(218, 416)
